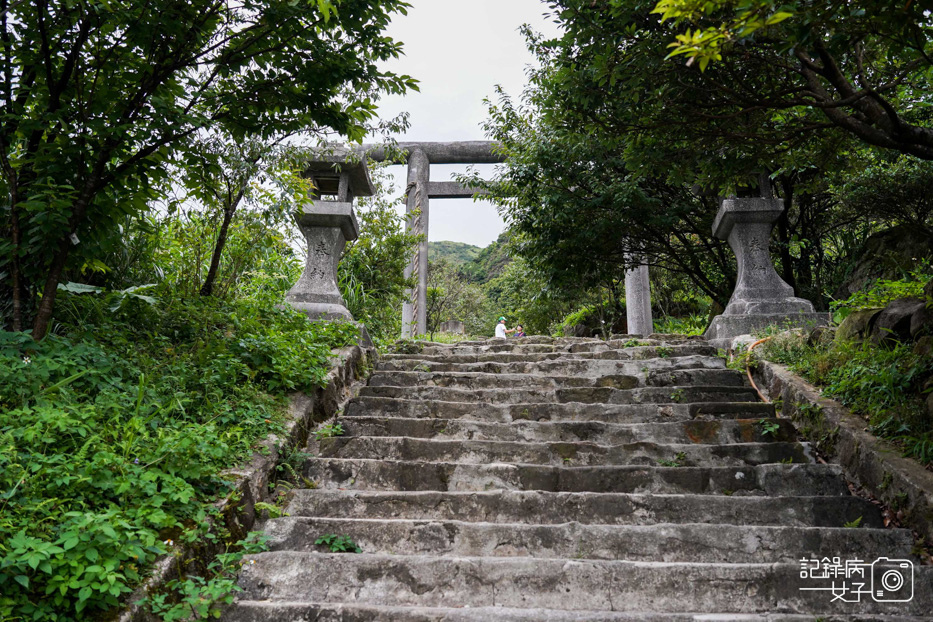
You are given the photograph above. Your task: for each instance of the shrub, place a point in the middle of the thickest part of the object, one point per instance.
(883, 384)
(114, 432)
(881, 292)
(690, 325)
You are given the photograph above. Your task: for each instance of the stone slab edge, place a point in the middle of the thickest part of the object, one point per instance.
(874, 464)
(250, 480)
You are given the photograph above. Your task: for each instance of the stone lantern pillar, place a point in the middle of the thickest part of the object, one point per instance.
(761, 297)
(328, 223)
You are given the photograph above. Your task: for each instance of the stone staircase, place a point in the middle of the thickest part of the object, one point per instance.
(567, 479)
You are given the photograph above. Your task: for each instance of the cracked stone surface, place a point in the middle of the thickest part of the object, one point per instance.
(566, 479)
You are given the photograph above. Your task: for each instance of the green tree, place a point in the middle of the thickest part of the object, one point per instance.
(446, 291)
(255, 249)
(578, 223)
(615, 151)
(221, 174)
(99, 96)
(891, 191)
(863, 65)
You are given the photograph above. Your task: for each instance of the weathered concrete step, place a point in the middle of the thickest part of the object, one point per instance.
(555, 454)
(557, 366)
(630, 354)
(495, 346)
(654, 338)
(695, 377)
(265, 611)
(482, 380)
(585, 395)
(531, 339)
(761, 430)
(766, 479)
(551, 584)
(510, 506)
(634, 341)
(686, 542)
(559, 345)
(540, 382)
(504, 413)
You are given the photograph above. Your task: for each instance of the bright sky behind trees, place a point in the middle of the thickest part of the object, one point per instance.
(460, 51)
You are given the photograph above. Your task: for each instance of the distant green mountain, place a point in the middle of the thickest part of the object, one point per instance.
(455, 252)
(492, 260)
(489, 262)
(479, 265)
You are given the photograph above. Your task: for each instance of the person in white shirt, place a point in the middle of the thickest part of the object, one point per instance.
(501, 330)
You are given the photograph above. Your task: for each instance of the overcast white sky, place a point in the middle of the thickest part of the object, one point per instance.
(459, 50)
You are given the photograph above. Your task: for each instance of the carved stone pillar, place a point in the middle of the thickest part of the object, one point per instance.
(761, 297)
(327, 227)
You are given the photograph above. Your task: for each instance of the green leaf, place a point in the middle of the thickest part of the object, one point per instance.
(778, 17)
(80, 288)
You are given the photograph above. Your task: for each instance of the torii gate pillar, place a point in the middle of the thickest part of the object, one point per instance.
(414, 309)
(420, 189)
(638, 299)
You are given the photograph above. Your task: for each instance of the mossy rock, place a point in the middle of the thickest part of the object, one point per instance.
(893, 323)
(857, 325)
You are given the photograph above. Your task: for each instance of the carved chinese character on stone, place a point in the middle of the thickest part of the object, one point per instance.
(320, 250)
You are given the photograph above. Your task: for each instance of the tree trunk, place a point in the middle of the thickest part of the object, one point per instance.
(44, 313)
(207, 288)
(804, 266)
(50, 291)
(787, 265)
(15, 271)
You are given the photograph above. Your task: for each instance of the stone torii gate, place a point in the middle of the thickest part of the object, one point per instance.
(420, 190)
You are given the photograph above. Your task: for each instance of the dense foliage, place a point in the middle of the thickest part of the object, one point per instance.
(455, 252)
(115, 430)
(886, 381)
(863, 66)
(884, 384)
(617, 154)
(127, 162)
(99, 96)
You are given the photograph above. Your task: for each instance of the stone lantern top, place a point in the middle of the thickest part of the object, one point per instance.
(335, 214)
(761, 209)
(755, 209)
(335, 174)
